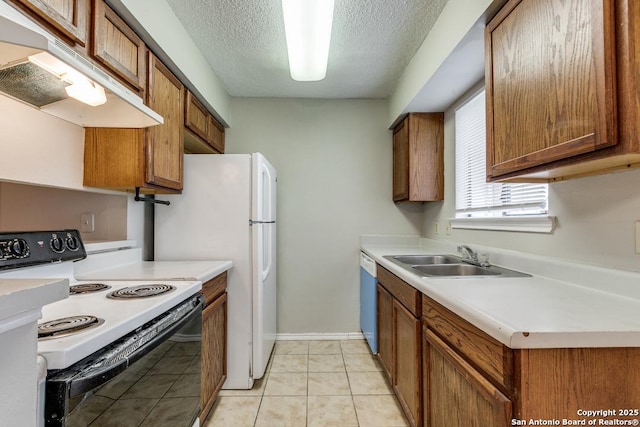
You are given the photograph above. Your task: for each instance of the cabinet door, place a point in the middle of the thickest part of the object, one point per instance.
(68, 17)
(418, 158)
(551, 88)
(216, 135)
(407, 382)
(165, 143)
(385, 330)
(455, 394)
(196, 117)
(117, 47)
(401, 161)
(214, 353)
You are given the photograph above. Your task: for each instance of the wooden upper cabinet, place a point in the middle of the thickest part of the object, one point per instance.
(116, 46)
(150, 159)
(196, 116)
(418, 158)
(164, 143)
(67, 18)
(401, 161)
(203, 132)
(216, 135)
(557, 77)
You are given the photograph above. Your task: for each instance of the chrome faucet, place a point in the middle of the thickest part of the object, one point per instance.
(471, 257)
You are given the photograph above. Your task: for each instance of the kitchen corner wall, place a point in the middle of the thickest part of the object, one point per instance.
(41, 169)
(28, 207)
(334, 184)
(596, 217)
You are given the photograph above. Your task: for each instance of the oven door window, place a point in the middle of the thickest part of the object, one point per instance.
(161, 388)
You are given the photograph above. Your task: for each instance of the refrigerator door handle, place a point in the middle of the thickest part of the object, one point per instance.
(266, 251)
(251, 222)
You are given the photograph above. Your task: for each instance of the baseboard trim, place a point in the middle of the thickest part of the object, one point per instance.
(320, 336)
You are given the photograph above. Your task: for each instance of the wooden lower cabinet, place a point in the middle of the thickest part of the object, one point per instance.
(214, 343)
(558, 382)
(446, 372)
(407, 363)
(385, 330)
(456, 394)
(399, 344)
(470, 379)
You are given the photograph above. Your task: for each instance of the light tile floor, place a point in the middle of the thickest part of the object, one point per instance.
(313, 383)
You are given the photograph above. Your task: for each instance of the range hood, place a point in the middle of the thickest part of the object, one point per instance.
(25, 47)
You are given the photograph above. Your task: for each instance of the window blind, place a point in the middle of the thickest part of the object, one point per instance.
(474, 196)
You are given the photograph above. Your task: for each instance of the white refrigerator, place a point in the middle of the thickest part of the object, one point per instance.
(227, 210)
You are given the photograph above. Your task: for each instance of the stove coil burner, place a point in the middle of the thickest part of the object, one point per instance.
(86, 288)
(141, 291)
(67, 326)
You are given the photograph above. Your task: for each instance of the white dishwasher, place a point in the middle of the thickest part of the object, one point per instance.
(368, 307)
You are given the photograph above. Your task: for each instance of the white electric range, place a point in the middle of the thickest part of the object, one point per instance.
(118, 337)
(119, 316)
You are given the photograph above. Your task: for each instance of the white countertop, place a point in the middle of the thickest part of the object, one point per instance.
(598, 308)
(160, 270)
(22, 299)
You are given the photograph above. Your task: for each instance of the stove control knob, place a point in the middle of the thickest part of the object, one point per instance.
(57, 244)
(73, 244)
(19, 248)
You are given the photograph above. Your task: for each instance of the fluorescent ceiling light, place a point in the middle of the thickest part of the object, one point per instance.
(307, 25)
(80, 87)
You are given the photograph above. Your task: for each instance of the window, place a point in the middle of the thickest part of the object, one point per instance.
(475, 198)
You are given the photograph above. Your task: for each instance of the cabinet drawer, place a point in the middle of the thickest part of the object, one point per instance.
(214, 288)
(484, 352)
(408, 296)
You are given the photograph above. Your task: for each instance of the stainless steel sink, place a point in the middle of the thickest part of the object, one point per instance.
(449, 266)
(455, 270)
(425, 259)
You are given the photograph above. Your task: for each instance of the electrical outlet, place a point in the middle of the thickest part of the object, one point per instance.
(436, 228)
(638, 237)
(87, 222)
(447, 227)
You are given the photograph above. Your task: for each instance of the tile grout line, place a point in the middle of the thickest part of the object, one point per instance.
(353, 403)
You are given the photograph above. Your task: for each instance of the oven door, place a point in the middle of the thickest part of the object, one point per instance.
(149, 377)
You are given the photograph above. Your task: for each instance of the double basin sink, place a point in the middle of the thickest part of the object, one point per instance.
(449, 266)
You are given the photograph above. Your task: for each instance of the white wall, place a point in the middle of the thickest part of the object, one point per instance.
(596, 217)
(167, 32)
(334, 184)
(28, 207)
(428, 75)
(38, 148)
(47, 155)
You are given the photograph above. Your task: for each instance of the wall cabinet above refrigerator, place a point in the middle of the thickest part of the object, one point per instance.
(202, 132)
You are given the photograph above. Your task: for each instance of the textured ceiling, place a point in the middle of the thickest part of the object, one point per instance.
(372, 42)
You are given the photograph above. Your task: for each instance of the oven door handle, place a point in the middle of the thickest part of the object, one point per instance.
(93, 376)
